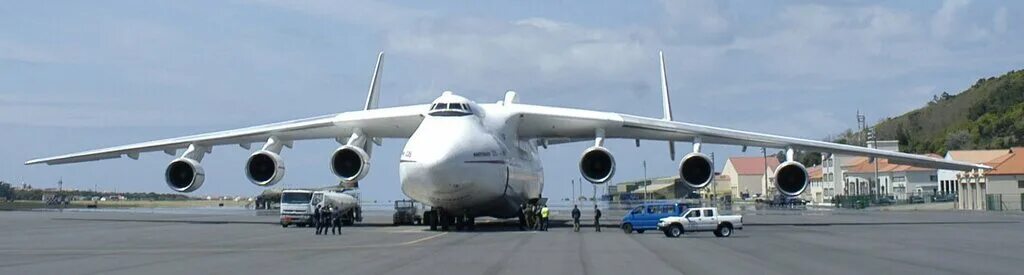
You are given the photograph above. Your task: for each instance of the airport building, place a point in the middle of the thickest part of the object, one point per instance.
(1000, 189)
(894, 180)
(657, 189)
(750, 177)
(948, 178)
(818, 192)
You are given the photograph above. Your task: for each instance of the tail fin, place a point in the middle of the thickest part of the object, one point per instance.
(374, 94)
(372, 99)
(666, 103)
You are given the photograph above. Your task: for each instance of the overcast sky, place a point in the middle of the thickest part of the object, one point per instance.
(82, 75)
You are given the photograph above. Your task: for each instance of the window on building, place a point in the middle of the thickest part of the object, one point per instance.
(933, 178)
(1020, 184)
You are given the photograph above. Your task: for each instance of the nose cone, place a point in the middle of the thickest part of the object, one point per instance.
(441, 164)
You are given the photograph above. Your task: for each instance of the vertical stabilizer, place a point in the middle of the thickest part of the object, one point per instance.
(374, 94)
(666, 103)
(665, 100)
(372, 100)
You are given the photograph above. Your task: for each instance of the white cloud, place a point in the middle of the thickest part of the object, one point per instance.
(945, 18)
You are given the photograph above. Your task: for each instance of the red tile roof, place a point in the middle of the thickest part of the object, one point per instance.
(884, 166)
(753, 165)
(1009, 164)
(815, 172)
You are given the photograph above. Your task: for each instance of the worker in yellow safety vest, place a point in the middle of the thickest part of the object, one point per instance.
(544, 218)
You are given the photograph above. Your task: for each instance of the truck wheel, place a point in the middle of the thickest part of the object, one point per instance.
(674, 231)
(723, 231)
(284, 225)
(627, 228)
(640, 231)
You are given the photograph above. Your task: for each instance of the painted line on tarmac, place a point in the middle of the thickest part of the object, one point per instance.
(99, 252)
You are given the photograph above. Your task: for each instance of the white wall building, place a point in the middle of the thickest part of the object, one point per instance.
(999, 189)
(948, 178)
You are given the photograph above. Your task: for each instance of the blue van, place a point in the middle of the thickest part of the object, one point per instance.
(646, 216)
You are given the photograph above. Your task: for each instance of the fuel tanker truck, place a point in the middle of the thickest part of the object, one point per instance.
(297, 204)
(345, 200)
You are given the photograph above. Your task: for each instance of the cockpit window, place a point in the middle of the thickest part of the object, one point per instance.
(450, 109)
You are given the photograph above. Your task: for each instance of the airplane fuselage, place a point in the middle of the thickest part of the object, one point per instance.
(471, 164)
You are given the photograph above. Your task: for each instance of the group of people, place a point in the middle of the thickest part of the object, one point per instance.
(325, 217)
(576, 218)
(538, 217)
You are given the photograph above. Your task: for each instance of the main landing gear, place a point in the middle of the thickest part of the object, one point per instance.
(439, 218)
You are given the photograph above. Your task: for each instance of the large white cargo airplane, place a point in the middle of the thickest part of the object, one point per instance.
(468, 159)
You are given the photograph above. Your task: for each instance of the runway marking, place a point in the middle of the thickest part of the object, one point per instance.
(94, 252)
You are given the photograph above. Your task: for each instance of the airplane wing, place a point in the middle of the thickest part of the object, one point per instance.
(395, 122)
(565, 124)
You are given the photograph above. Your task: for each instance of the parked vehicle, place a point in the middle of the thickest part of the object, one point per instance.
(345, 200)
(645, 217)
(886, 201)
(916, 199)
(296, 208)
(944, 198)
(701, 219)
(406, 212)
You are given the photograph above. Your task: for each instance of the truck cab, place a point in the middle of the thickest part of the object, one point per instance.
(645, 217)
(296, 208)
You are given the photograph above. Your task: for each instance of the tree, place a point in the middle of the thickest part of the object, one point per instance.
(958, 140)
(5, 190)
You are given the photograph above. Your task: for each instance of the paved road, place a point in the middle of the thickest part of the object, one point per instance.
(784, 242)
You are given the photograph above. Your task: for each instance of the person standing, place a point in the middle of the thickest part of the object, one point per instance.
(544, 215)
(333, 217)
(316, 219)
(597, 218)
(575, 218)
(524, 221)
(325, 218)
(538, 220)
(337, 220)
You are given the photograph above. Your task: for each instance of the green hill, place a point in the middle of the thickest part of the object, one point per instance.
(988, 115)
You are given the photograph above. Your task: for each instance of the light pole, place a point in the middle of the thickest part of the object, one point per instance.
(645, 180)
(714, 183)
(573, 198)
(60, 190)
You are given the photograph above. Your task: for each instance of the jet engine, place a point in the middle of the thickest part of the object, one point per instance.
(351, 163)
(264, 168)
(597, 165)
(184, 175)
(791, 178)
(695, 170)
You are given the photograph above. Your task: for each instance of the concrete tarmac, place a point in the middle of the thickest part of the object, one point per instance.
(774, 242)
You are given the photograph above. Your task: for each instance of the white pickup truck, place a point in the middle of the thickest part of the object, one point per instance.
(701, 219)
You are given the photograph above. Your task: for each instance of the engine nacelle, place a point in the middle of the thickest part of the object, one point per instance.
(791, 178)
(184, 175)
(696, 170)
(351, 163)
(597, 165)
(264, 168)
